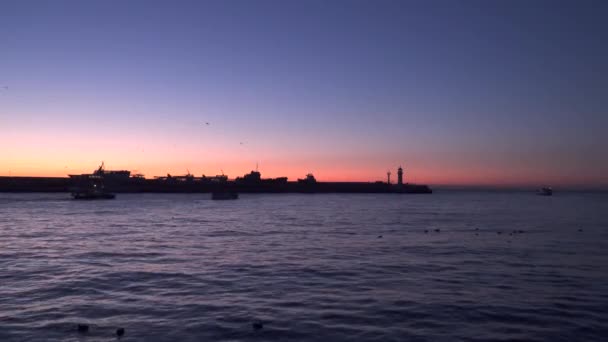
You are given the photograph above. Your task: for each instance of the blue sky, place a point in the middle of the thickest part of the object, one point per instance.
(462, 92)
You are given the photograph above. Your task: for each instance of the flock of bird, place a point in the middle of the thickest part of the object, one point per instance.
(240, 143)
(476, 230)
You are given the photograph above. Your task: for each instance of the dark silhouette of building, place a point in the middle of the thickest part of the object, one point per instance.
(400, 176)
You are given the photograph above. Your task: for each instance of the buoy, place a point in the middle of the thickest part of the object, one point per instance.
(498, 233)
(120, 332)
(379, 236)
(437, 230)
(257, 325)
(83, 328)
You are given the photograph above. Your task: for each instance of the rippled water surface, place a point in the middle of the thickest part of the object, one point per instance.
(309, 267)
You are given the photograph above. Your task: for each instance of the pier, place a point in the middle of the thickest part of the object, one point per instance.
(123, 182)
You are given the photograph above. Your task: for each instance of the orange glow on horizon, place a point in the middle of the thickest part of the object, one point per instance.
(40, 154)
(428, 175)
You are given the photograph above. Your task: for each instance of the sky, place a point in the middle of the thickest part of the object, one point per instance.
(457, 92)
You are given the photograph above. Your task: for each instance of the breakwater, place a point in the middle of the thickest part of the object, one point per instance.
(142, 185)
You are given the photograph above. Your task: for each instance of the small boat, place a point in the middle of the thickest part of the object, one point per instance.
(545, 192)
(224, 195)
(92, 195)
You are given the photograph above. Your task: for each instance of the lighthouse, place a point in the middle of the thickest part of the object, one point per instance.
(400, 176)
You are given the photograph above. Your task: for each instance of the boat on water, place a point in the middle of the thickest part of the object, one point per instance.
(545, 192)
(92, 186)
(224, 195)
(91, 192)
(92, 195)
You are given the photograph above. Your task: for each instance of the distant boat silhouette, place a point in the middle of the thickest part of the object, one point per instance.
(545, 192)
(92, 194)
(92, 186)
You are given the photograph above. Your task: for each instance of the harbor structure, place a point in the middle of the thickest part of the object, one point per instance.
(123, 181)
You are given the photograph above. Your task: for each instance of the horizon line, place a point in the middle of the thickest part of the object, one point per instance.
(438, 186)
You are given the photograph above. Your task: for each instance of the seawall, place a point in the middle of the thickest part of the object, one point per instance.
(135, 185)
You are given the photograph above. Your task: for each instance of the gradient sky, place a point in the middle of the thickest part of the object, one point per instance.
(458, 92)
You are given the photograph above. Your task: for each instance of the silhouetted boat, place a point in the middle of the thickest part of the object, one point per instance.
(92, 194)
(310, 179)
(224, 195)
(545, 192)
(92, 186)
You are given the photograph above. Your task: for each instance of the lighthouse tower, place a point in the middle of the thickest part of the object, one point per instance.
(400, 176)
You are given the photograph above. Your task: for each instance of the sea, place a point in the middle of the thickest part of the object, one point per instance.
(451, 266)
